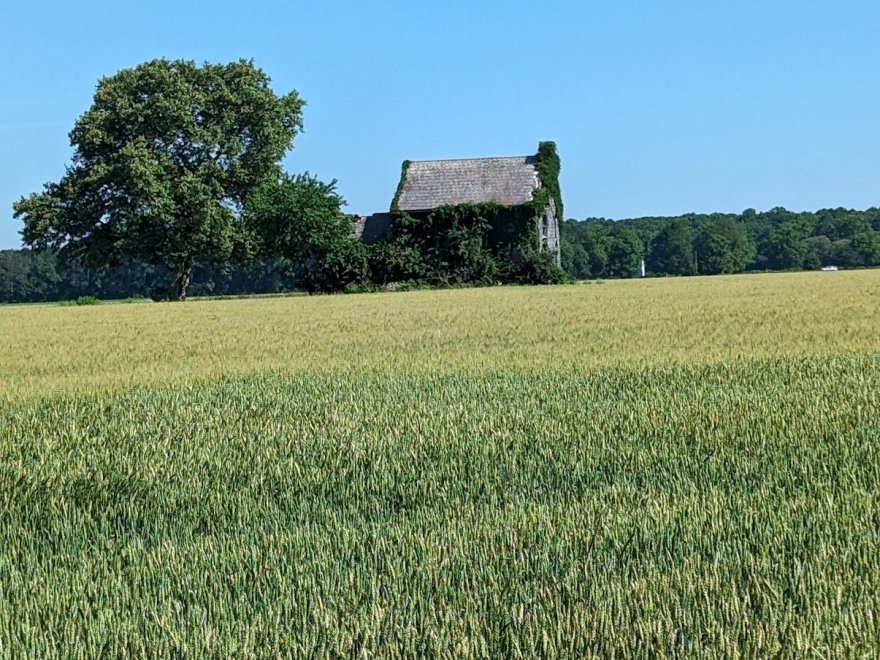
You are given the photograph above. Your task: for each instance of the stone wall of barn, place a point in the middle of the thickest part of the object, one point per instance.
(548, 232)
(372, 228)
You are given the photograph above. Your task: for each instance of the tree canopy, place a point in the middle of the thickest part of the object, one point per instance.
(163, 163)
(672, 251)
(722, 246)
(300, 219)
(777, 239)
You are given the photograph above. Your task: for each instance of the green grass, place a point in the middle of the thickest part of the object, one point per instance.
(517, 504)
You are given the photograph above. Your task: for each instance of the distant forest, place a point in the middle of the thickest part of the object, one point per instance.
(594, 248)
(694, 244)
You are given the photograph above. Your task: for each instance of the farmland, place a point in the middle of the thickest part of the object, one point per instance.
(684, 467)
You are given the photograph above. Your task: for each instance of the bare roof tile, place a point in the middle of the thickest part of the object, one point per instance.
(433, 183)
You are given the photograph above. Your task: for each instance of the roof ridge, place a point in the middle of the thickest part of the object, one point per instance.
(456, 160)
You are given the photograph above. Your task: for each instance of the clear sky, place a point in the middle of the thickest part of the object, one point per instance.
(658, 108)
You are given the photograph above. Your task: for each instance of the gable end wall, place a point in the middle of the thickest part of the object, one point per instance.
(548, 232)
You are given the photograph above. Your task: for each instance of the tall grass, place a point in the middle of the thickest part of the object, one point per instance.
(610, 505)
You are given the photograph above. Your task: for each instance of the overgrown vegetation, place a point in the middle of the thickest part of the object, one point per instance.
(549, 168)
(300, 220)
(474, 244)
(489, 472)
(467, 244)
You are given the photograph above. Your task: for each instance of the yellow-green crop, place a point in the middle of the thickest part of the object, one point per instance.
(662, 468)
(49, 348)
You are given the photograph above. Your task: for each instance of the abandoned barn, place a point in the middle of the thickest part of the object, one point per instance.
(529, 201)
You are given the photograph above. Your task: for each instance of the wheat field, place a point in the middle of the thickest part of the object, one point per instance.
(46, 349)
(658, 468)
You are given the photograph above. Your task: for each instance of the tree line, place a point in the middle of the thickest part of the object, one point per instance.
(717, 243)
(29, 276)
(593, 248)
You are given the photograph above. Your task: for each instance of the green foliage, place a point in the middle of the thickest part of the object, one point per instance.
(585, 248)
(599, 249)
(672, 252)
(342, 265)
(866, 248)
(625, 252)
(395, 202)
(531, 265)
(295, 216)
(574, 258)
(549, 167)
(818, 252)
(597, 244)
(538, 268)
(300, 219)
(466, 244)
(396, 261)
(27, 276)
(785, 247)
(452, 244)
(842, 253)
(725, 243)
(723, 247)
(163, 159)
(80, 302)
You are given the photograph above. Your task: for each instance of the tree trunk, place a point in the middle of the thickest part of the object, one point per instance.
(182, 279)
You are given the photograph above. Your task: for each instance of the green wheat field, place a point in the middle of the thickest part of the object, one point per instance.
(657, 468)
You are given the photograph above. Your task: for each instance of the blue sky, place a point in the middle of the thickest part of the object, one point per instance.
(658, 107)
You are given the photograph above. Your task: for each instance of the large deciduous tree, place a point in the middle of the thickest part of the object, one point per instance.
(163, 163)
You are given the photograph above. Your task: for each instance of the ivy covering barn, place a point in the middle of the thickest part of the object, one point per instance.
(473, 220)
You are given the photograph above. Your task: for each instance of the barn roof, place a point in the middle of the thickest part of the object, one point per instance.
(432, 183)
